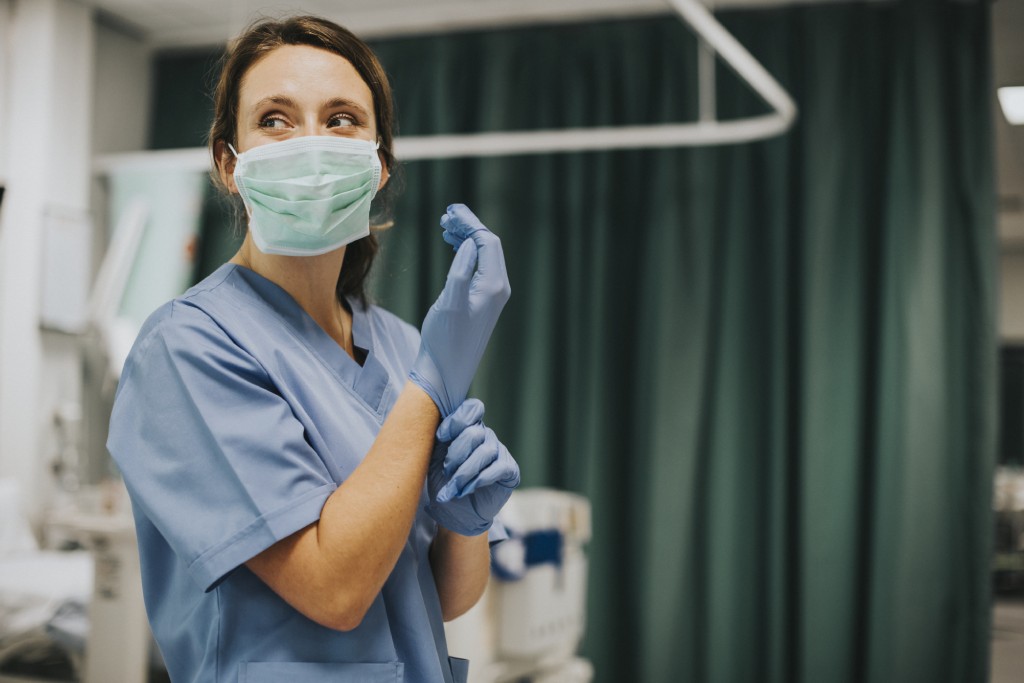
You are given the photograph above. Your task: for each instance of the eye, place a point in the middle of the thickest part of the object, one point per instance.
(341, 120)
(273, 121)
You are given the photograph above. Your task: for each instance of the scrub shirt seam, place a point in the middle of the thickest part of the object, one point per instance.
(220, 628)
(255, 525)
(144, 344)
(377, 411)
(254, 359)
(195, 291)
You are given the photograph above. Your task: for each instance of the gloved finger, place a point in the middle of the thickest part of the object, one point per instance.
(462, 448)
(504, 471)
(479, 460)
(451, 239)
(490, 284)
(501, 468)
(460, 222)
(460, 275)
(463, 223)
(469, 412)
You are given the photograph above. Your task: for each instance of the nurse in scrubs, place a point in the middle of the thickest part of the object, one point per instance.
(313, 492)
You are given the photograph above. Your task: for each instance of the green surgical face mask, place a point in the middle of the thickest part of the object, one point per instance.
(308, 195)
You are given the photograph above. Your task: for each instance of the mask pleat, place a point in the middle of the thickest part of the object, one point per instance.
(308, 195)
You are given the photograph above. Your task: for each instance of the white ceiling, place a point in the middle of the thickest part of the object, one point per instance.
(178, 23)
(182, 23)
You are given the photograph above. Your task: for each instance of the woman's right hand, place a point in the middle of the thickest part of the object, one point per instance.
(458, 326)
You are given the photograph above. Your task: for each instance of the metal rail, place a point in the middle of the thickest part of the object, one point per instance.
(714, 39)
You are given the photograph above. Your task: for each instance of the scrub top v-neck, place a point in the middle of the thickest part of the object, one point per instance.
(236, 417)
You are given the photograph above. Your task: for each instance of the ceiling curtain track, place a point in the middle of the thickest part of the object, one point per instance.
(713, 39)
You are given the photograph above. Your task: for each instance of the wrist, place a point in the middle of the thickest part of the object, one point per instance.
(417, 395)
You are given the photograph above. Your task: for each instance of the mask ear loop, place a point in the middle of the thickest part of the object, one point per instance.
(247, 211)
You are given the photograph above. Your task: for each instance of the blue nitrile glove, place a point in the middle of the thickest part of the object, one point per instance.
(471, 473)
(459, 324)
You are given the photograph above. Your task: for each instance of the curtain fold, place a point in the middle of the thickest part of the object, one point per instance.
(771, 367)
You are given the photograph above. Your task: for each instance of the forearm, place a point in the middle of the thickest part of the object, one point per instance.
(365, 524)
(461, 566)
(333, 570)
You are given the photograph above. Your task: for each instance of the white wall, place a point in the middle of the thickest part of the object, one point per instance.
(121, 90)
(46, 137)
(5, 58)
(122, 94)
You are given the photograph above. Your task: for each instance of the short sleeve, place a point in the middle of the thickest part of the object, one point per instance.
(209, 450)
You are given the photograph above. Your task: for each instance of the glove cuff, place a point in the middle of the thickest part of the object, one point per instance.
(450, 523)
(425, 375)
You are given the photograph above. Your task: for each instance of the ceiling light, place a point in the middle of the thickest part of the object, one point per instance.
(1012, 102)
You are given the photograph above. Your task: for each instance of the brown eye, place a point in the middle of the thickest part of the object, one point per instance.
(341, 120)
(272, 121)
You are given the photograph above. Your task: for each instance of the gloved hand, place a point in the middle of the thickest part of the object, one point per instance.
(471, 473)
(459, 324)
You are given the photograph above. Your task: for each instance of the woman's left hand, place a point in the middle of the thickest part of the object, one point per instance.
(471, 473)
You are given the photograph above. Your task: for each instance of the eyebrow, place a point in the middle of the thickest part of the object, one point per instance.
(333, 103)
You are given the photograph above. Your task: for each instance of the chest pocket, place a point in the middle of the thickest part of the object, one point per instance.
(308, 672)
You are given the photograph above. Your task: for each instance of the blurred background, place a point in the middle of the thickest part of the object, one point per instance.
(768, 393)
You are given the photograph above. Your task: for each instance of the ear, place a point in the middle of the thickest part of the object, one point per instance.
(225, 165)
(384, 175)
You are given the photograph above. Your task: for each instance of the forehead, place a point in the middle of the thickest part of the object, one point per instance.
(305, 74)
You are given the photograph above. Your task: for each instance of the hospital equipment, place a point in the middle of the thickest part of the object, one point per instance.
(1008, 505)
(530, 622)
(43, 594)
(118, 643)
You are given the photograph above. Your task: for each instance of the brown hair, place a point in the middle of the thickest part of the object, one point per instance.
(264, 36)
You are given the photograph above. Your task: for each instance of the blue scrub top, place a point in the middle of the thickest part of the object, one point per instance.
(236, 417)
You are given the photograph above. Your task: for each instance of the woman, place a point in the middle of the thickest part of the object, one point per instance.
(301, 514)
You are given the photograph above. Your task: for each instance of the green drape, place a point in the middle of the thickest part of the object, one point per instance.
(771, 367)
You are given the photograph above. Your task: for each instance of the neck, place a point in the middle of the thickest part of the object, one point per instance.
(310, 280)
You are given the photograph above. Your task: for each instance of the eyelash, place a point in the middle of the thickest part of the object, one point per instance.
(275, 117)
(270, 117)
(348, 117)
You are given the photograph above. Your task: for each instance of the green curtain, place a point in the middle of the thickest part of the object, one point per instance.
(771, 366)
